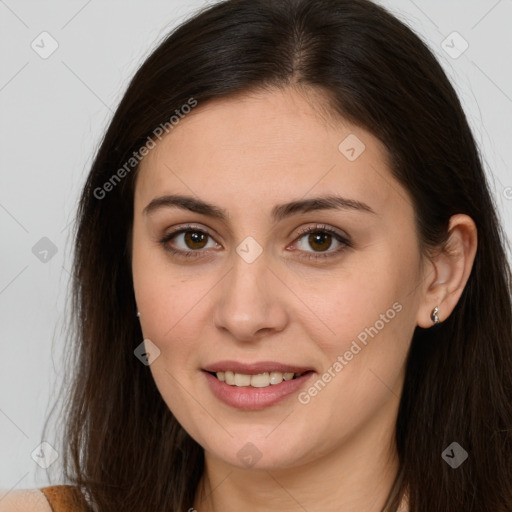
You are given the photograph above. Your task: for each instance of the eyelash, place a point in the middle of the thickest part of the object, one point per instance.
(322, 228)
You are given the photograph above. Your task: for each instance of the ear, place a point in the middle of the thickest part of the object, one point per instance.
(449, 270)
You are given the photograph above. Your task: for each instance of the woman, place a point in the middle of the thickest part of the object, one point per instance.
(290, 210)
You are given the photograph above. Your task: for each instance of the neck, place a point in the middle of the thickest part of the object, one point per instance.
(357, 476)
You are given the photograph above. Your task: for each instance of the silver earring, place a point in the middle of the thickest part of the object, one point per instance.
(434, 315)
(138, 313)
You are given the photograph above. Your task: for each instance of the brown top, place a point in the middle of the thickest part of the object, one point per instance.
(65, 498)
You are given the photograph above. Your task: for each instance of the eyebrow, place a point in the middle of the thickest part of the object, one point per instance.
(279, 212)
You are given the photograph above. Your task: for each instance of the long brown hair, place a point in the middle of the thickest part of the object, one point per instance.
(121, 443)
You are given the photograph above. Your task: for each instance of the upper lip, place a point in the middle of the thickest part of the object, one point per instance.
(255, 368)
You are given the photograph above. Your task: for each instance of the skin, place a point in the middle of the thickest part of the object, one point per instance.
(246, 154)
(20, 500)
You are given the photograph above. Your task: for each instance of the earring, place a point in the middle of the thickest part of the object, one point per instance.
(138, 313)
(434, 315)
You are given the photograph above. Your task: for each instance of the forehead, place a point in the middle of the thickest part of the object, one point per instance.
(266, 146)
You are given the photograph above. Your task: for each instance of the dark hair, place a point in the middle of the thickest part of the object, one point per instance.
(122, 444)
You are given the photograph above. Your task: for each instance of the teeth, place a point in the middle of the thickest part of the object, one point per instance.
(242, 380)
(262, 380)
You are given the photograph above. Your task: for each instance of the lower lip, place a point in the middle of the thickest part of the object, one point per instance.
(253, 399)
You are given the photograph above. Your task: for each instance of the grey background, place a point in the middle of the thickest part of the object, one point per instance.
(53, 114)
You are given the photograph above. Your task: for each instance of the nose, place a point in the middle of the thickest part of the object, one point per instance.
(250, 301)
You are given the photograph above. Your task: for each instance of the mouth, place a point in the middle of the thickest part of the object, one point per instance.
(255, 386)
(259, 380)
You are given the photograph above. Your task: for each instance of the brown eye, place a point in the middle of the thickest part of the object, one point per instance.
(195, 239)
(315, 242)
(188, 241)
(320, 241)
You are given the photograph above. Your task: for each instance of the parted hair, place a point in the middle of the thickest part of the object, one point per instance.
(121, 444)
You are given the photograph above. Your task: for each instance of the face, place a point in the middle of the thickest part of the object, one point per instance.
(326, 288)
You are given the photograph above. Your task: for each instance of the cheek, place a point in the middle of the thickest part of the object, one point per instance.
(173, 305)
(170, 316)
(169, 307)
(362, 296)
(158, 293)
(370, 315)
(364, 363)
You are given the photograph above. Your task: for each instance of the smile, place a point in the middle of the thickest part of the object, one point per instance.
(255, 391)
(260, 380)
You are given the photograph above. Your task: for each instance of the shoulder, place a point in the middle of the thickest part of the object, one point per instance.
(25, 500)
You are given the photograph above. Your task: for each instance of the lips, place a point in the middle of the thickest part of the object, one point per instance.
(255, 386)
(255, 368)
(255, 398)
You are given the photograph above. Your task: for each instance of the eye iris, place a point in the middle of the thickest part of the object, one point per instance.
(195, 237)
(320, 238)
